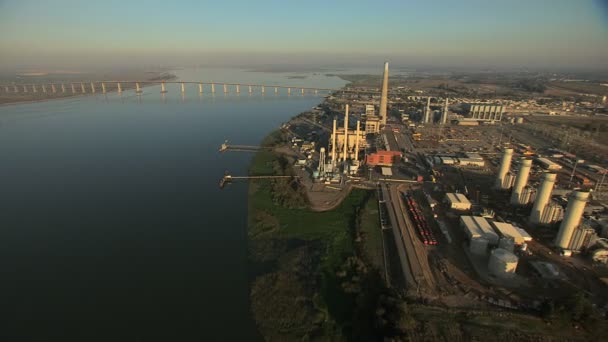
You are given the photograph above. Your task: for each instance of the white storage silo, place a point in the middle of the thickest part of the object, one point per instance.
(502, 263)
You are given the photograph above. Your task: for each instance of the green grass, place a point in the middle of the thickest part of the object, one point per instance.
(273, 229)
(371, 233)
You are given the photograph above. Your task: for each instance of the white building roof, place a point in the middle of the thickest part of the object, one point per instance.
(462, 198)
(507, 229)
(457, 198)
(478, 226)
(527, 237)
(386, 171)
(471, 155)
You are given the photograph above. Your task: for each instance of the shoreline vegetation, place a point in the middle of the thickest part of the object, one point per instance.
(314, 277)
(7, 99)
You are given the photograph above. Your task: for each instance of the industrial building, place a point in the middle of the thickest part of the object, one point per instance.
(476, 227)
(372, 125)
(572, 218)
(370, 110)
(472, 159)
(582, 238)
(508, 230)
(457, 201)
(552, 213)
(541, 202)
(548, 164)
(502, 263)
(345, 143)
(503, 169)
(382, 158)
(485, 112)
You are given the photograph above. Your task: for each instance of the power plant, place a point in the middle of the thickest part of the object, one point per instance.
(542, 197)
(572, 218)
(345, 144)
(520, 182)
(505, 164)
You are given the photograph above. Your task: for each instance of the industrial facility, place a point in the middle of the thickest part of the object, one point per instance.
(445, 189)
(485, 112)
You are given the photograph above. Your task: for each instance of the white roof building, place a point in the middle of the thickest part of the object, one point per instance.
(457, 201)
(507, 229)
(478, 227)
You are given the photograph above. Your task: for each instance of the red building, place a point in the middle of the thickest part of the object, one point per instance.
(382, 158)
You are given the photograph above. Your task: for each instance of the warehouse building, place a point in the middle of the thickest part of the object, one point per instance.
(485, 111)
(508, 230)
(476, 227)
(548, 164)
(457, 201)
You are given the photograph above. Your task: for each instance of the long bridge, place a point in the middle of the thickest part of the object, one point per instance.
(91, 87)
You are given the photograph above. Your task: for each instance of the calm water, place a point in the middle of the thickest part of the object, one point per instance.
(112, 226)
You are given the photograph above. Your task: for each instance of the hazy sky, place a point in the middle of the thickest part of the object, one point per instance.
(533, 33)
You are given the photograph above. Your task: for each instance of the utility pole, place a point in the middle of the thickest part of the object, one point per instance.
(574, 169)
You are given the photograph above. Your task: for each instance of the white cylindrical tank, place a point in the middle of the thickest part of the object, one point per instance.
(519, 120)
(542, 196)
(520, 181)
(478, 246)
(505, 164)
(572, 218)
(502, 263)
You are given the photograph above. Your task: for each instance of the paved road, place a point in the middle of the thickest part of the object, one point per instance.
(397, 233)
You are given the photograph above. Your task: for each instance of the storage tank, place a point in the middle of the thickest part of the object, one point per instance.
(502, 263)
(572, 218)
(519, 120)
(478, 246)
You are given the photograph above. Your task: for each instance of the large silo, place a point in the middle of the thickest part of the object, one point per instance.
(520, 181)
(542, 196)
(572, 218)
(502, 263)
(505, 164)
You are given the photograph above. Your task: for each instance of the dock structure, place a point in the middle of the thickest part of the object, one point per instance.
(228, 178)
(241, 148)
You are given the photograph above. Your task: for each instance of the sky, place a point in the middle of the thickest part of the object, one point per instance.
(441, 33)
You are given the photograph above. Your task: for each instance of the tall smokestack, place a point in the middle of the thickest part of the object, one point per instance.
(444, 114)
(572, 218)
(333, 146)
(542, 196)
(505, 164)
(427, 111)
(520, 181)
(321, 161)
(384, 95)
(345, 132)
(357, 140)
